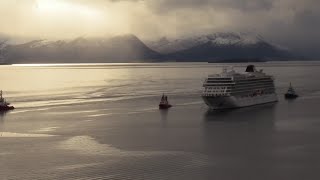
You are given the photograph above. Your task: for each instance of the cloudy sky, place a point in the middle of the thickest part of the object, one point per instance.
(290, 23)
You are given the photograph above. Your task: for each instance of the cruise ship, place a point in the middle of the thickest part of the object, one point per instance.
(231, 89)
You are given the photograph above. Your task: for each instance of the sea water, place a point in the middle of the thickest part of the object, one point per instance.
(101, 121)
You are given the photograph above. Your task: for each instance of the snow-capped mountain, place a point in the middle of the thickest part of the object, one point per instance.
(165, 45)
(220, 46)
(126, 48)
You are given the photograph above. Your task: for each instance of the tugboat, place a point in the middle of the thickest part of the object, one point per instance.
(291, 94)
(4, 105)
(164, 103)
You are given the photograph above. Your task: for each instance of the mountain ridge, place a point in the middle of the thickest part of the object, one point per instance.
(222, 47)
(129, 48)
(81, 50)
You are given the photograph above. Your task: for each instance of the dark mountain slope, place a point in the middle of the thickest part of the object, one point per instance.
(81, 50)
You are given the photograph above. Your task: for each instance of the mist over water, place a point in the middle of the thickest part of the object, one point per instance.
(101, 121)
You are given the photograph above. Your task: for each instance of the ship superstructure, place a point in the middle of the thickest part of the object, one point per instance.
(231, 89)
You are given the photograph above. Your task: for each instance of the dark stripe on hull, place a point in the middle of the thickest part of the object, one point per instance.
(230, 102)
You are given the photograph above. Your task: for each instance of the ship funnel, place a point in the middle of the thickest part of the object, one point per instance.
(251, 68)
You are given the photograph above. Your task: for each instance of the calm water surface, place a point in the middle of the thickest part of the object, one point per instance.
(101, 121)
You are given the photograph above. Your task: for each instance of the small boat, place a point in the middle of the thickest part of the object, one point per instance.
(164, 103)
(4, 105)
(291, 94)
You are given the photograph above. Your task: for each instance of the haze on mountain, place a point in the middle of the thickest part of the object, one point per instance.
(224, 47)
(290, 24)
(81, 50)
(129, 48)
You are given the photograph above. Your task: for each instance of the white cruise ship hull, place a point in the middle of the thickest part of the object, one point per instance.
(230, 102)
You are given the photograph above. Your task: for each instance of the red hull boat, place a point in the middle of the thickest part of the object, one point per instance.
(4, 105)
(6, 108)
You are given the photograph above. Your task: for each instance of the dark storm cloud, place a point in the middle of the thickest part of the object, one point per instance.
(307, 18)
(290, 23)
(251, 5)
(302, 34)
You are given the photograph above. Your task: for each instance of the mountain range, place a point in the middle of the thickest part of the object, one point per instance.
(129, 48)
(80, 50)
(222, 47)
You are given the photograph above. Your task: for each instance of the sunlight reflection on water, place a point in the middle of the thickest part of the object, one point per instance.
(89, 146)
(23, 135)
